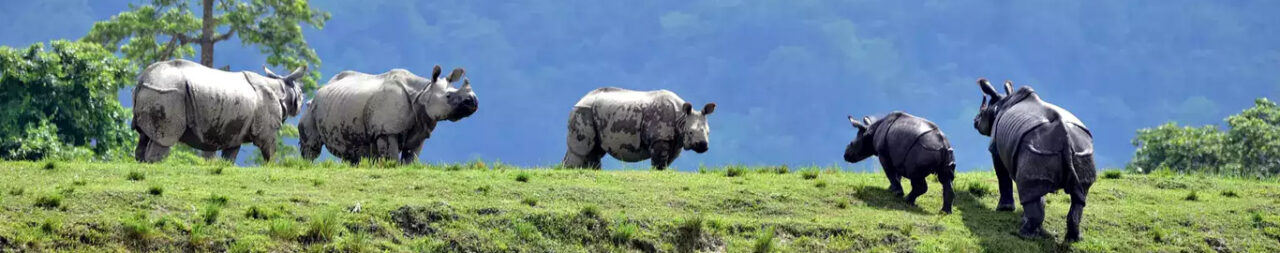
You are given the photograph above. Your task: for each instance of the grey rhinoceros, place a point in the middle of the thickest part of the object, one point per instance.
(1040, 146)
(908, 146)
(358, 115)
(634, 125)
(210, 109)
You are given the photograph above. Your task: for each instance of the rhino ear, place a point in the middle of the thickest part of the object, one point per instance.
(708, 109)
(986, 88)
(270, 74)
(1008, 87)
(854, 121)
(867, 120)
(687, 108)
(456, 74)
(435, 73)
(297, 73)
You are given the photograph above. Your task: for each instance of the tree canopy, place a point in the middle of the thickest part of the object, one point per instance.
(1251, 147)
(168, 29)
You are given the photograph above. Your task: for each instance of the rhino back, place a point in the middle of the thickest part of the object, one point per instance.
(1015, 124)
(624, 117)
(352, 110)
(901, 136)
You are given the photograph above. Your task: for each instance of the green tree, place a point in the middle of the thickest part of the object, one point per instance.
(1255, 136)
(1181, 149)
(51, 101)
(168, 29)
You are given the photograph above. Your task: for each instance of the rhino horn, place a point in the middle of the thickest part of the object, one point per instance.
(297, 73)
(466, 85)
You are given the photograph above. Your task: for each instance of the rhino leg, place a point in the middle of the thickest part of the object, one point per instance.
(918, 187)
(1032, 218)
(208, 155)
(386, 147)
(583, 141)
(154, 152)
(410, 155)
(267, 146)
(1076, 213)
(660, 152)
(895, 180)
(948, 194)
(309, 144)
(1006, 185)
(140, 153)
(230, 154)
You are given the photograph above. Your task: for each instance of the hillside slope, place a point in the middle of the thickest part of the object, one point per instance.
(330, 207)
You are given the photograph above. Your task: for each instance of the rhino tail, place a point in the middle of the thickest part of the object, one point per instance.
(1068, 158)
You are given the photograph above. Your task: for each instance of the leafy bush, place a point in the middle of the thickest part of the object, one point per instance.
(86, 119)
(1250, 147)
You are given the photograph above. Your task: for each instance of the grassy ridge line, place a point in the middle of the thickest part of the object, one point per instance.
(214, 207)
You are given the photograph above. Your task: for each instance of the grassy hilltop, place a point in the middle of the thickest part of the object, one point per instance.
(480, 208)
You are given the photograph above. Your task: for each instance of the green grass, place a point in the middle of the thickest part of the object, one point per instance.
(480, 208)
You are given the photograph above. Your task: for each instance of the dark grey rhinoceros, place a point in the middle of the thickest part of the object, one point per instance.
(210, 109)
(1040, 146)
(358, 115)
(633, 126)
(908, 146)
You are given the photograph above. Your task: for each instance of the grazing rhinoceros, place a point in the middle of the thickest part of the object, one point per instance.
(633, 126)
(1040, 146)
(210, 109)
(908, 146)
(358, 115)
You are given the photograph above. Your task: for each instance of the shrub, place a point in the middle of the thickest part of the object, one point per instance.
(979, 190)
(210, 213)
(135, 176)
(1112, 174)
(531, 201)
(1192, 196)
(733, 171)
(49, 201)
(522, 177)
(155, 190)
(764, 241)
(809, 174)
(283, 229)
(323, 228)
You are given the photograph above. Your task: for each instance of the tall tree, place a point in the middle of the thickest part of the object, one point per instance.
(168, 29)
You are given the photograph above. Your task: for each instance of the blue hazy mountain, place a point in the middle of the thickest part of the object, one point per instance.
(784, 73)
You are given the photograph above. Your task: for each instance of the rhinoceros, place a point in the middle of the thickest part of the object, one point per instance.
(1040, 146)
(908, 146)
(210, 109)
(358, 115)
(634, 125)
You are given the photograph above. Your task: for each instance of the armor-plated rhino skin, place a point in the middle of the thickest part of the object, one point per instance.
(358, 115)
(634, 125)
(210, 109)
(908, 146)
(1040, 146)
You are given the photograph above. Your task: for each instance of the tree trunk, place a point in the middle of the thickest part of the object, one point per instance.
(206, 39)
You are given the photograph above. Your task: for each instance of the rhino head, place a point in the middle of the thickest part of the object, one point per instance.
(291, 102)
(861, 147)
(441, 101)
(694, 128)
(989, 108)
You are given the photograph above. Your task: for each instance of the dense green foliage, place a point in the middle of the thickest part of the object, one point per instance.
(61, 102)
(168, 29)
(198, 206)
(1251, 147)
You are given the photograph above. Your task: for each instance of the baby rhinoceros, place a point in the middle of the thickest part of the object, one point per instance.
(634, 125)
(908, 146)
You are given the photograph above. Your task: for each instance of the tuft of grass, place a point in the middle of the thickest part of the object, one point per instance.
(522, 177)
(216, 171)
(138, 228)
(809, 174)
(155, 190)
(322, 228)
(1229, 194)
(283, 229)
(50, 226)
(842, 203)
(623, 232)
(733, 171)
(49, 201)
(50, 165)
(1113, 174)
(688, 231)
(590, 211)
(317, 182)
(78, 182)
(209, 214)
(1192, 196)
(821, 184)
(1157, 234)
(258, 213)
(477, 164)
(216, 199)
(135, 176)
(979, 190)
(764, 241)
(531, 201)
(199, 235)
(526, 231)
(16, 191)
(782, 169)
(484, 189)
